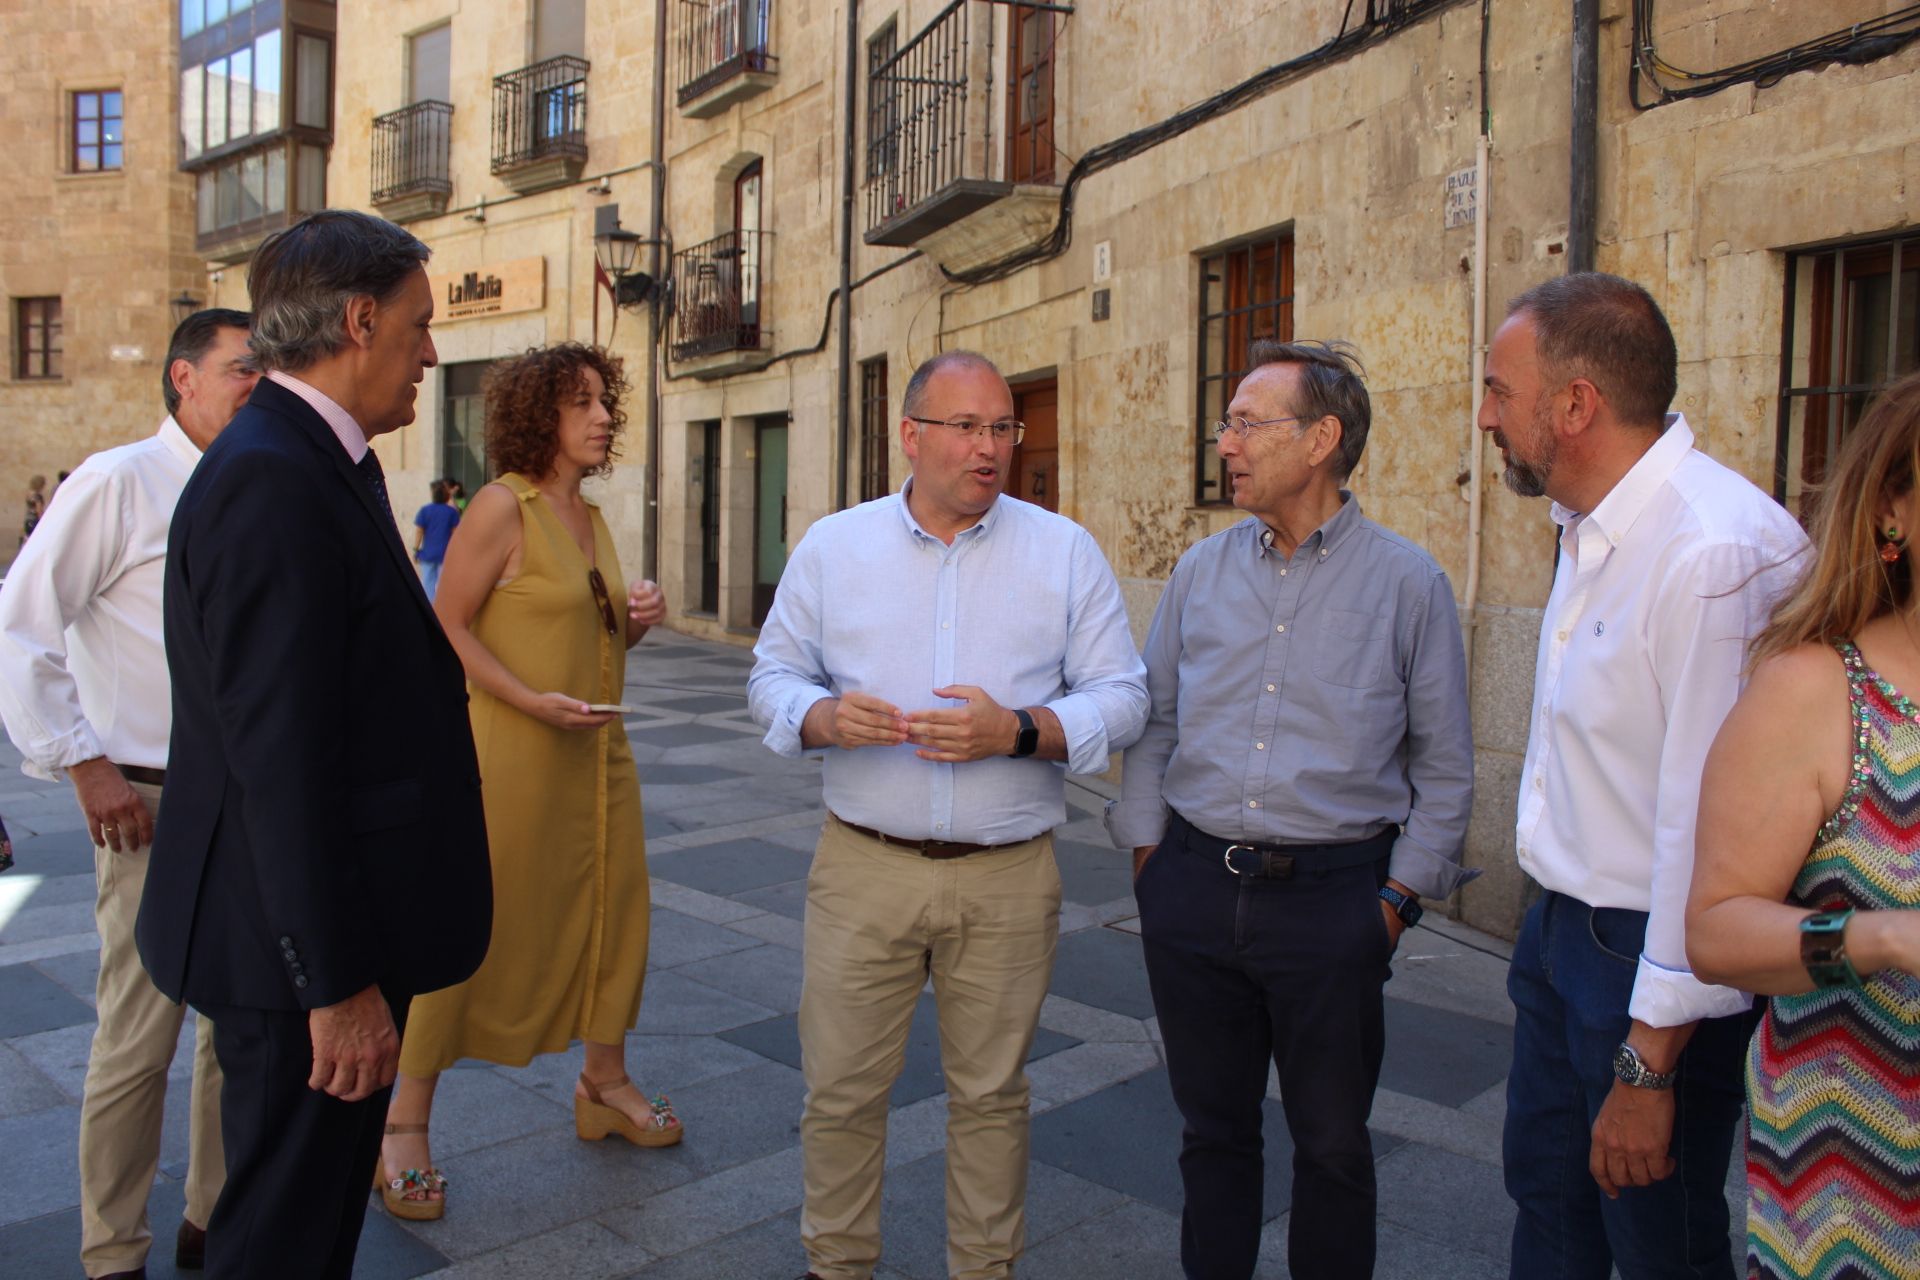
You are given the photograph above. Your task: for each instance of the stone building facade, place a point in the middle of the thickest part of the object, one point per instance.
(96, 236)
(1110, 200)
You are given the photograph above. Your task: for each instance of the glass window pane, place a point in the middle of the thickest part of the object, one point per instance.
(110, 157)
(205, 203)
(86, 106)
(227, 190)
(312, 81)
(240, 94)
(277, 180)
(86, 159)
(110, 130)
(193, 120)
(266, 82)
(312, 180)
(193, 16)
(216, 103)
(253, 177)
(110, 105)
(216, 10)
(235, 6)
(87, 132)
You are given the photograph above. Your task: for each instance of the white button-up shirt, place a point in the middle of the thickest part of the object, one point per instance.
(1660, 589)
(83, 670)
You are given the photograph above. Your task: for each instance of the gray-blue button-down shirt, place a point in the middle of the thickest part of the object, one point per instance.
(1310, 699)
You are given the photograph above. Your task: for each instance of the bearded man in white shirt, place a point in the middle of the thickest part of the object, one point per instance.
(1626, 1084)
(84, 691)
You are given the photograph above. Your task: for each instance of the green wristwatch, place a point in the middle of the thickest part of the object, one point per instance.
(1823, 949)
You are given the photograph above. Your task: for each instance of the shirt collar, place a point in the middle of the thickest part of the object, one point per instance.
(352, 437)
(178, 443)
(1615, 514)
(1338, 528)
(978, 528)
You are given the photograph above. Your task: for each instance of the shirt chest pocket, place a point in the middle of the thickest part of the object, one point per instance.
(1352, 649)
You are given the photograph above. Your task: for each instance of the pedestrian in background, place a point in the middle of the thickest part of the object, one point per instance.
(36, 506)
(526, 604)
(456, 493)
(83, 692)
(1804, 887)
(322, 859)
(433, 525)
(1625, 1084)
(1280, 852)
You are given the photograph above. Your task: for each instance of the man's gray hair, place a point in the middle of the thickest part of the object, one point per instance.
(303, 277)
(1611, 332)
(1330, 386)
(956, 359)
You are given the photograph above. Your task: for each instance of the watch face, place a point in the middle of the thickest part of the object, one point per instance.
(1411, 911)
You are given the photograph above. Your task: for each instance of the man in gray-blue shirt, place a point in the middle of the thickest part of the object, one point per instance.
(1305, 777)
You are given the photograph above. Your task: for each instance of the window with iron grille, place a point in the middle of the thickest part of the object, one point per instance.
(883, 108)
(96, 131)
(1852, 326)
(875, 430)
(1246, 294)
(36, 338)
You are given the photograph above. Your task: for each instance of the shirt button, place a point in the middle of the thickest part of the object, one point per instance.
(1283, 573)
(1269, 688)
(1259, 746)
(1539, 784)
(1560, 635)
(946, 625)
(939, 826)
(1253, 804)
(1281, 628)
(1323, 552)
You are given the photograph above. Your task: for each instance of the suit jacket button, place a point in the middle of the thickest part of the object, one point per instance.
(300, 980)
(286, 942)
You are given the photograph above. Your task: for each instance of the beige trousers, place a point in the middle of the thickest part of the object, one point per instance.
(880, 920)
(127, 1083)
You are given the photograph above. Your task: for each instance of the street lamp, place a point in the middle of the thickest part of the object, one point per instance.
(616, 250)
(183, 306)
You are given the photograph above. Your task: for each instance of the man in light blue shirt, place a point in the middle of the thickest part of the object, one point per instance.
(954, 652)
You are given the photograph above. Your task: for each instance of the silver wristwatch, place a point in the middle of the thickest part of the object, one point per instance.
(1630, 1068)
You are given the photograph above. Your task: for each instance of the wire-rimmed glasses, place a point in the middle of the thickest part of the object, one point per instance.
(1007, 430)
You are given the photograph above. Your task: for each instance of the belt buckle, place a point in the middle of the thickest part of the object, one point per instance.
(1227, 857)
(1273, 866)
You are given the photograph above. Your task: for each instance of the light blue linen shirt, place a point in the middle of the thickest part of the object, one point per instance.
(1022, 604)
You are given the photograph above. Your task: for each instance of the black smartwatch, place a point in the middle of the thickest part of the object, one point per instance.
(1404, 905)
(1027, 741)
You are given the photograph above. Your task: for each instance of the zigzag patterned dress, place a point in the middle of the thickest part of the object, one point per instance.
(1833, 1076)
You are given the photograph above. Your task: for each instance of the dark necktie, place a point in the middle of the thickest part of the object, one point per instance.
(369, 466)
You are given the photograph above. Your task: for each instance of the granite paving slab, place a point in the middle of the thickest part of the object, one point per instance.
(701, 703)
(48, 1247)
(766, 974)
(1093, 873)
(1446, 1197)
(31, 1002)
(678, 774)
(658, 1064)
(913, 1217)
(22, 1088)
(768, 1250)
(732, 866)
(577, 1251)
(77, 971)
(1135, 1241)
(684, 735)
(674, 939)
(1103, 968)
(789, 899)
(717, 1205)
(1443, 1056)
(39, 1164)
(920, 1075)
(674, 1005)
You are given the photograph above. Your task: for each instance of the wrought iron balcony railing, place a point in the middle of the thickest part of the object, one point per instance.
(917, 113)
(720, 39)
(540, 112)
(719, 290)
(410, 150)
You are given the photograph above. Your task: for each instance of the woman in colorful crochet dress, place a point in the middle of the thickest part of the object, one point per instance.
(1806, 885)
(526, 596)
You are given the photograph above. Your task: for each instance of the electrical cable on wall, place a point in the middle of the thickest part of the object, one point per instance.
(1861, 42)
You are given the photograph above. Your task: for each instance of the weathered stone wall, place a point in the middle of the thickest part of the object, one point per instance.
(114, 247)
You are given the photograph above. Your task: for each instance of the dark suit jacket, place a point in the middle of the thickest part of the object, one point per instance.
(321, 827)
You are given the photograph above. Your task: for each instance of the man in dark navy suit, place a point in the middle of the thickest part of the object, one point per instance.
(322, 857)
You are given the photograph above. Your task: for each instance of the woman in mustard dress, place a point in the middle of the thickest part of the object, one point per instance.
(525, 598)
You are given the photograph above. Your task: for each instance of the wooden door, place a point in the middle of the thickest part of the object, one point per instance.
(1035, 473)
(1030, 96)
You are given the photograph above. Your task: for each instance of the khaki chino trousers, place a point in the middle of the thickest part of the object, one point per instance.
(126, 1086)
(880, 921)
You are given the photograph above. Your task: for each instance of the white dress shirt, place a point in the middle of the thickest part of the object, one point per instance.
(83, 669)
(1659, 590)
(1022, 604)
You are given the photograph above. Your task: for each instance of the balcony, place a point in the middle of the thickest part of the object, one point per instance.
(719, 302)
(540, 124)
(720, 54)
(931, 147)
(410, 172)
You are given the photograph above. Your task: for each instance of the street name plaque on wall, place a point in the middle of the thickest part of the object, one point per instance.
(497, 289)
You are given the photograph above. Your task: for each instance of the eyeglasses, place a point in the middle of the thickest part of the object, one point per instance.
(1005, 430)
(605, 601)
(1243, 427)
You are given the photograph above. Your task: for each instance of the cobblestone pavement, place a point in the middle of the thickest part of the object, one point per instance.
(730, 830)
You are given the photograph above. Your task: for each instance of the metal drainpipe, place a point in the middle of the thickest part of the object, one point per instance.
(847, 158)
(1583, 185)
(656, 222)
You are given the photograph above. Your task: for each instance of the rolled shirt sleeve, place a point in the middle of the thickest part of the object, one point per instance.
(1106, 700)
(789, 674)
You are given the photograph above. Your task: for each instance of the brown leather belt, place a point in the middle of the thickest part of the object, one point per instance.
(935, 849)
(141, 773)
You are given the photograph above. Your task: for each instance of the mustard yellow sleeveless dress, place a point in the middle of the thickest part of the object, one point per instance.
(569, 949)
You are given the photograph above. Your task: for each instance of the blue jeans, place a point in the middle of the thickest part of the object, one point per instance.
(1571, 981)
(429, 576)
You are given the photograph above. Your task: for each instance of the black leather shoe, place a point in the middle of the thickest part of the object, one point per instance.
(189, 1248)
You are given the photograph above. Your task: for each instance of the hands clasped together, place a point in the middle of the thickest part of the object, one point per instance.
(977, 729)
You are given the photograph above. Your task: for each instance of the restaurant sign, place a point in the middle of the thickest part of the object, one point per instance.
(519, 285)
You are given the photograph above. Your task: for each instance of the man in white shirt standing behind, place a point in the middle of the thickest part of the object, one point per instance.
(84, 690)
(1626, 1084)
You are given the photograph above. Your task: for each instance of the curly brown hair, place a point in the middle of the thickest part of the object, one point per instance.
(524, 395)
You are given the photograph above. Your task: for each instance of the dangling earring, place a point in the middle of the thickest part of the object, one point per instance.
(1891, 549)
